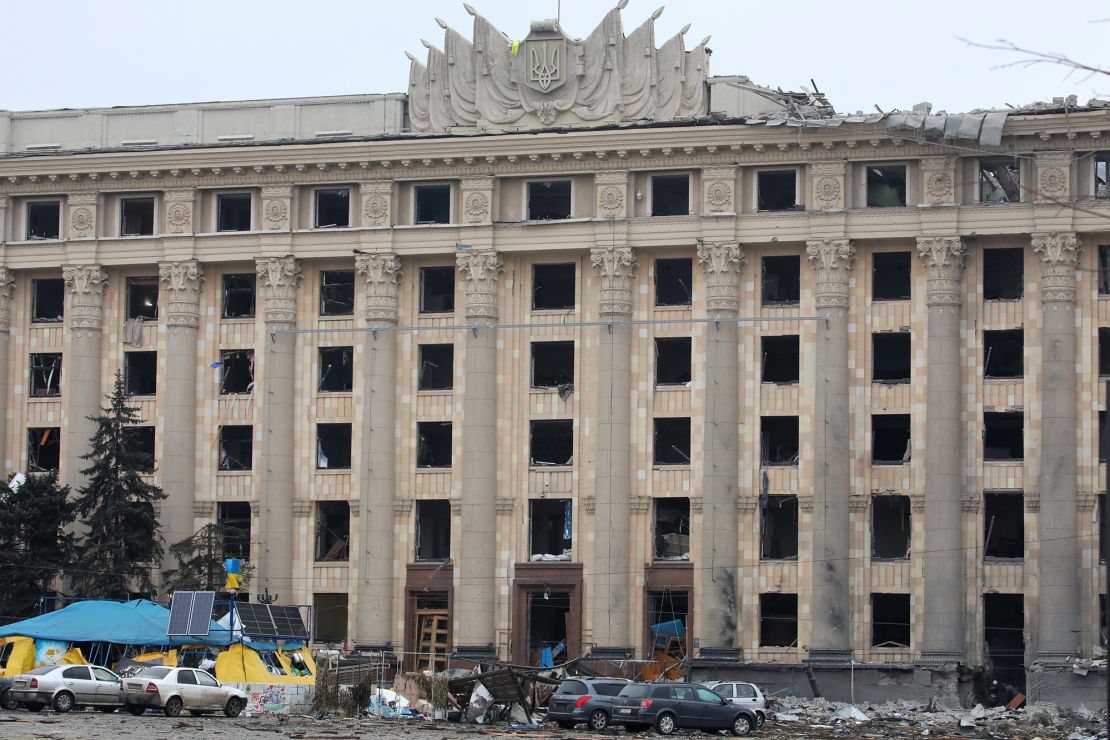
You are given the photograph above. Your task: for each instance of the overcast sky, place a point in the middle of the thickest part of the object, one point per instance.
(78, 53)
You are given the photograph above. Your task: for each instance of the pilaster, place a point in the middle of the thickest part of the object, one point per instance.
(4, 204)
(85, 286)
(476, 197)
(7, 291)
(480, 272)
(718, 190)
(377, 202)
(828, 185)
(82, 209)
(277, 204)
(611, 189)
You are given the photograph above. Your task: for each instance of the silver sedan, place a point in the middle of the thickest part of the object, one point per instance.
(65, 687)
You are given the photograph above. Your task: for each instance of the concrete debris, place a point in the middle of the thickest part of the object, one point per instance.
(851, 713)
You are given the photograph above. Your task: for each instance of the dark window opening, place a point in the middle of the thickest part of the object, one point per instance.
(550, 529)
(233, 212)
(437, 289)
(890, 439)
(890, 620)
(1102, 543)
(437, 367)
(234, 520)
(548, 616)
(336, 369)
(890, 276)
(1102, 175)
(433, 444)
(1000, 180)
(886, 186)
(333, 209)
(551, 442)
(1104, 269)
(553, 366)
(43, 448)
(44, 219)
(329, 618)
(337, 293)
(665, 608)
(673, 282)
(140, 440)
(1103, 351)
(136, 216)
(672, 529)
(673, 358)
(1003, 273)
(1004, 353)
(236, 371)
(777, 191)
(890, 357)
(1004, 525)
(1003, 435)
(333, 530)
(1004, 633)
(433, 530)
(47, 300)
(672, 441)
(553, 286)
(432, 204)
(142, 298)
(239, 296)
(778, 620)
(778, 440)
(778, 531)
(782, 280)
(670, 195)
(891, 527)
(548, 200)
(236, 447)
(140, 373)
(46, 374)
(781, 359)
(1102, 631)
(333, 446)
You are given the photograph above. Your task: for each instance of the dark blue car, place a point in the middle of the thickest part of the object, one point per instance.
(671, 706)
(588, 700)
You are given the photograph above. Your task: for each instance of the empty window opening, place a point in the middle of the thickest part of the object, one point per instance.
(890, 357)
(43, 448)
(1102, 175)
(136, 216)
(777, 191)
(234, 520)
(1004, 353)
(551, 527)
(1003, 435)
(236, 447)
(548, 617)
(437, 367)
(46, 374)
(552, 442)
(1004, 633)
(433, 530)
(781, 359)
(47, 300)
(891, 527)
(674, 282)
(140, 373)
(236, 371)
(778, 531)
(1102, 630)
(890, 276)
(238, 296)
(437, 289)
(430, 632)
(329, 618)
(553, 366)
(1104, 351)
(1104, 269)
(1102, 543)
(778, 620)
(432, 203)
(233, 212)
(672, 441)
(333, 530)
(44, 219)
(553, 286)
(333, 446)
(890, 620)
(890, 439)
(778, 440)
(548, 200)
(433, 444)
(141, 442)
(673, 357)
(670, 195)
(333, 209)
(1003, 273)
(336, 369)
(781, 284)
(337, 293)
(1004, 526)
(672, 529)
(1000, 180)
(142, 298)
(668, 617)
(886, 186)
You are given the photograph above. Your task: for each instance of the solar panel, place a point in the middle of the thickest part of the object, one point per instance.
(255, 619)
(200, 616)
(288, 622)
(181, 604)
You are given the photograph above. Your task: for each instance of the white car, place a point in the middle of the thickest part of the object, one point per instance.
(742, 694)
(175, 689)
(66, 687)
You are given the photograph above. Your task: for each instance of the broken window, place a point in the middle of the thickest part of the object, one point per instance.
(1102, 543)
(781, 283)
(778, 620)
(552, 442)
(548, 200)
(1004, 633)
(1104, 269)
(891, 527)
(672, 441)
(1003, 273)
(778, 440)
(136, 216)
(46, 374)
(47, 300)
(333, 446)
(553, 286)
(437, 367)
(781, 359)
(886, 186)
(890, 439)
(778, 530)
(1103, 351)
(890, 357)
(44, 219)
(890, 620)
(336, 369)
(665, 608)
(43, 448)
(777, 190)
(672, 360)
(433, 530)
(329, 618)
(1102, 175)
(337, 293)
(1003, 525)
(550, 529)
(333, 531)
(234, 519)
(233, 212)
(239, 296)
(236, 447)
(140, 373)
(140, 440)
(1000, 180)
(1102, 631)
(670, 195)
(437, 289)
(1003, 435)
(236, 371)
(333, 209)
(672, 528)
(432, 203)
(674, 281)
(433, 444)
(1103, 438)
(1004, 353)
(890, 276)
(142, 298)
(549, 614)
(553, 366)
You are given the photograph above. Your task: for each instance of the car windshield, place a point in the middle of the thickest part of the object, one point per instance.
(635, 690)
(42, 670)
(155, 673)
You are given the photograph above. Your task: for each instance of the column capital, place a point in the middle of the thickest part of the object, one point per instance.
(278, 278)
(1059, 253)
(377, 202)
(275, 206)
(480, 271)
(179, 210)
(615, 266)
(722, 264)
(4, 200)
(181, 283)
(833, 260)
(381, 273)
(7, 290)
(85, 285)
(944, 258)
(612, 192)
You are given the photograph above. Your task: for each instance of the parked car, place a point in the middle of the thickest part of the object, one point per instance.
(66, 687)
(6, 701)
(175, 689)
(588, 700)
(671, 706)
(742, 694)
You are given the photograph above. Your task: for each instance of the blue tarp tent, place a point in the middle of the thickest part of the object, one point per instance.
(131, 623)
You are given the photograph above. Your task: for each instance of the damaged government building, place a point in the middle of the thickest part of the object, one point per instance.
(573, 339)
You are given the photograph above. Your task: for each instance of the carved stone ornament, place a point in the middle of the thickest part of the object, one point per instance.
(380, 273)
(722, 264)
(589, 504)
(917, 503)
(827, 192)
(638, 504)
(805, 503)
(611, 200)
(480, 271)
(181, 284)
(858, 504)
(1053, 182)
(276, 213)
(505, 506)
(477, 207)
(615, 266)
(944, 259)
(85, 285)
(375, 209)
(832, 259)
(179, 211)
(7, 290)
(277, 279)
(402, 506)
(1053, 179)
(1086, 501)
(1059, 253)
(970, 505)
(938, 185)
(746, 504)
(719, 196)
(81, 222)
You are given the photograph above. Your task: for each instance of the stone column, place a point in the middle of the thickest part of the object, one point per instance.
(944, 592)
(832, 260)
(1058, 565)
(4, 200)
(476, 606)
(85, 285)
(180, 290)
(374, 623)
(612, 594)
(7, 291)
(719, 610)
(277, 282)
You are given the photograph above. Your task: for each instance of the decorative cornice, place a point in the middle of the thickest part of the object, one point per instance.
(944, 259)
(722, 264)
(278, 278)
(917, 503)
(858, 503)
(7, 291)
(970, 505)
(181, 283)
(402, 506)
(1086, 501)
(479, 272)
(85, 285)
(381, 273)
(1059, 253)
(805, 503)
(615, 266)
(832, 259)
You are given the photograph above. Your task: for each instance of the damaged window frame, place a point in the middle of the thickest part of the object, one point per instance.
(43, 227)
(332, 538)
(881, 439)
(431, 190)
(44, 449)
(893, 178)
(674, 451)
(550, 529)
(767, 197)
(227, 219)
(673, 279)
(1104, 352)
(1100, 176)
(999, 180)
(774, 616)
(780, 359)
(1005, 420)
(141, 440)
(425, 459)
(142, 298)
(442, 304)
(774, 424)
(136, 216)
(235, 288)
(552, 288)
(539, 213)
(336, 369)
(887, 510)
(553, 366)
(778, 527)
(998, 267)
(550, 443)
(432, 512)
(230, 369)
(140, 373)
(436, 370)
(891, 276)
(670, 529)
(236, 528)
(337, 292)
(664, 203)
(887, 633)
(787, 268)
(331, 210)
(333, 445)
(884, 344)
(40, 286)
(995, 343)
(1003, 539)
(46, 375)
(243, 440)
(673, 362)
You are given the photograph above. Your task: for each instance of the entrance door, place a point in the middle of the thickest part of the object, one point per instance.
(431, 630)
(1004, 625)
(548, 627)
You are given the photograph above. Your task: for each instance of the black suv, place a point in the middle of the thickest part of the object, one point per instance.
(670, 706)
(588, 700)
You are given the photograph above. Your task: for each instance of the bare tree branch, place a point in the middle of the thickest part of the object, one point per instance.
(1032, 57)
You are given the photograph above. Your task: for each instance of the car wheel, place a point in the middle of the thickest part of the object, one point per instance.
(107, 710)
(565, 724)
(173, 707)
(599, 720)
(63, 702)
(665, 724)
(135, 709)
(233, 707)
(760, 718)
(35, 707)
(741, 725)
(7, 702)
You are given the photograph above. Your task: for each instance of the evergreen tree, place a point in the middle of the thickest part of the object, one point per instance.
(200, 560)
(122, 545)
(34, 542)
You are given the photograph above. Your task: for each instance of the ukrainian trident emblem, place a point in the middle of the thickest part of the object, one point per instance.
(546, 63)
